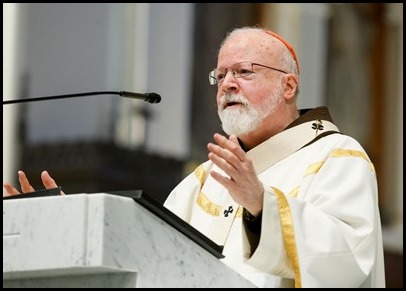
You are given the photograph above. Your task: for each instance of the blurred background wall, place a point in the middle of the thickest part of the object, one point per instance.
(351, 59)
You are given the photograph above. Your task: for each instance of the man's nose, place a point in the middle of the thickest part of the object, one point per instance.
(230, 81)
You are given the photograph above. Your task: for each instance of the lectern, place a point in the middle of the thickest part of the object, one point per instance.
(104, 240)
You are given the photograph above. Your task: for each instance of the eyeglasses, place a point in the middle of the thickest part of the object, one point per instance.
(239, 70)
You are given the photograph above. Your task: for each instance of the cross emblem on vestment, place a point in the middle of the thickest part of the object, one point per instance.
(229, 210)
(317, 125)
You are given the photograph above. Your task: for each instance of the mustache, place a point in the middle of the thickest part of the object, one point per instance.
(232, 98)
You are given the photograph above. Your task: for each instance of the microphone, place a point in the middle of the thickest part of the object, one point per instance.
(149, 97)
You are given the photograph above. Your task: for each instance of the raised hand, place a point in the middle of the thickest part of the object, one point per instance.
(242, 181)
(26, 187)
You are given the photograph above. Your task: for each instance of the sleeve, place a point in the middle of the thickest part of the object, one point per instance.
(252, 226)
(326, 237)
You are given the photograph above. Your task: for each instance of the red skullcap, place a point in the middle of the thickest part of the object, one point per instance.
(290, 48)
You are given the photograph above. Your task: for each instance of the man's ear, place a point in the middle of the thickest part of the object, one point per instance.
(291, 86)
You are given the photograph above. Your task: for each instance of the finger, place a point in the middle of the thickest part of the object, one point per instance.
(10, 189)
(223, 164)
(226, 182)
(231, 145)
(25, 184)
(228, 150)
(233, 138)
(48, 182)
(223, 157)
(247, 163)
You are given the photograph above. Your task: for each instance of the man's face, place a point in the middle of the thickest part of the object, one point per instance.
(244, 102)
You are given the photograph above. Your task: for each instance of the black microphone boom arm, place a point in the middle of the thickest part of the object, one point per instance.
(149, 97)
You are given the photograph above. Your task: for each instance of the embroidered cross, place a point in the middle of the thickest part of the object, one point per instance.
(229, 210)
(317, 125)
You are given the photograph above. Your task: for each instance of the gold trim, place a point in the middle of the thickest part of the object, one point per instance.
(339, 153)
(313, 168)
(352, 153)
(208, 206)
(344, 153)
(288, 235)
(294, 192)
(239, 212)
(200, 174)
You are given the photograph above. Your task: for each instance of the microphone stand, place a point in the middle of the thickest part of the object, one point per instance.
(149, 97)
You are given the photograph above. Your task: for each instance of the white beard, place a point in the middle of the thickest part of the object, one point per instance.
(245, 118)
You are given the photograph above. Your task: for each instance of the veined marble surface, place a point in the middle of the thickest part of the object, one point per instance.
(101, 240)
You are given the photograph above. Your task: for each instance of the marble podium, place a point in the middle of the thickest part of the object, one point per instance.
(102, 240)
